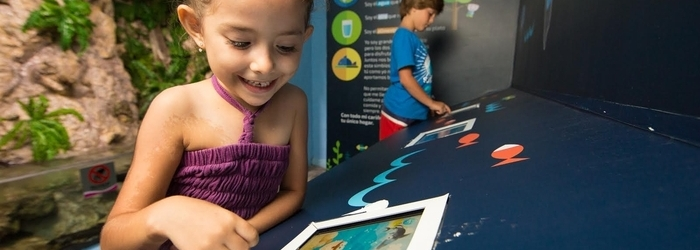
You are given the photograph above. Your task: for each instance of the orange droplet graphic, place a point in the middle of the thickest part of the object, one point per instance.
(468, 140)
(507, 153)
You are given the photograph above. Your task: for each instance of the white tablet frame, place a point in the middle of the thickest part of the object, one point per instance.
(423, 237)
(467, 125)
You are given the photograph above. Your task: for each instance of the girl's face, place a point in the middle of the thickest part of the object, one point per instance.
(254, 46)
(422, 18)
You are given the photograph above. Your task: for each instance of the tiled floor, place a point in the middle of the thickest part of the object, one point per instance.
(315, 171)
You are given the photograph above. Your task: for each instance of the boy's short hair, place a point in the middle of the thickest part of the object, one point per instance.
(406, 5)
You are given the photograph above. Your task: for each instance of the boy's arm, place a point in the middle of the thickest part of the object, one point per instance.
(293, 187)
(413, 88)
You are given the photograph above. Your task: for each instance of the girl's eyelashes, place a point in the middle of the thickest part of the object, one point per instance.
(245, 45)
(287, 49)
(239, 45)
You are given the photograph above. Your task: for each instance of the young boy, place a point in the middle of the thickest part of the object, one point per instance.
(408, 98)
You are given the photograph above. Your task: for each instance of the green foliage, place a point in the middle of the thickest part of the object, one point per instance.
(148, 75)
(330, 163)
(70, 21)
(151, 13)
(42, 129)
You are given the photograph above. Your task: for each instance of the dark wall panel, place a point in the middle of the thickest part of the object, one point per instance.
(643, 53)
(478, 58)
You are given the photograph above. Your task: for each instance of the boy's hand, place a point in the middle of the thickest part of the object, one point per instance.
(440, 108)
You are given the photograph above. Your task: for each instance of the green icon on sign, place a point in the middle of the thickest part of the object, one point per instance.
(346, 27)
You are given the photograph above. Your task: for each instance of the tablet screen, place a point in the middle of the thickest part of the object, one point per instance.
(391, 233)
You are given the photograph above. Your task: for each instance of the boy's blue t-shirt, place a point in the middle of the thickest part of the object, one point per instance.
(407, 50)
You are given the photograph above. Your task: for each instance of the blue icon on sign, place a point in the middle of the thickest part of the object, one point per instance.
(345, 3)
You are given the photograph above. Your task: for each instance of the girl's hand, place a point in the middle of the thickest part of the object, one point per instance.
(193, 224)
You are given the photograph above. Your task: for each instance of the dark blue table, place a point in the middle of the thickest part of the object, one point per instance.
(581, 181)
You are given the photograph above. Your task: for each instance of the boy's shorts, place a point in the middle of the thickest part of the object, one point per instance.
(390, 124)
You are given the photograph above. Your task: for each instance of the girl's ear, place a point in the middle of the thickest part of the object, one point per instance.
(191, 23)
(308, 32)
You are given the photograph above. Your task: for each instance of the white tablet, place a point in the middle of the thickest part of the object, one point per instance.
(442, 132)
(412, 225)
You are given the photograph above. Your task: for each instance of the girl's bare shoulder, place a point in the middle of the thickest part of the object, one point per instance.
(178, 99)
(291, 94)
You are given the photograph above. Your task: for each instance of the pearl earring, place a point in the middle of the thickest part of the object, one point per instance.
(200, 50)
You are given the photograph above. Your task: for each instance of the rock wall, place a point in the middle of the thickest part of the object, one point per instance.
(94, 82)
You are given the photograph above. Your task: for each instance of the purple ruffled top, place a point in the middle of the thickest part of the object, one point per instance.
(242, 177)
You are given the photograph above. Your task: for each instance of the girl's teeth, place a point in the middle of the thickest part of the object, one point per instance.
(257, 84)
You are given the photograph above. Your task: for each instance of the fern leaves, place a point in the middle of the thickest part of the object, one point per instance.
(70, 21)
(46, 133)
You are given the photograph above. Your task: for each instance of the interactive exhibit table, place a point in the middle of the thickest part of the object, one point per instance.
(522, 172)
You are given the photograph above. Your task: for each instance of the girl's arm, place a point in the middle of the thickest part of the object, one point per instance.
(141, 218)
(156, 156)
(293, 187)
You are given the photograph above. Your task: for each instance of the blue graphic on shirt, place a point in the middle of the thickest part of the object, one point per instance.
(424, 71)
